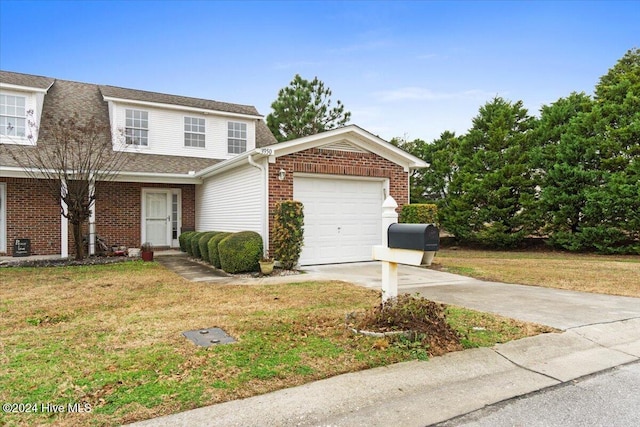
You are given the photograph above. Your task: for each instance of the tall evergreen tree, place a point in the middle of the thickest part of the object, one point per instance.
(304, 108)
(491, 195)
(441, 157)
(567, 166)
(613, 208)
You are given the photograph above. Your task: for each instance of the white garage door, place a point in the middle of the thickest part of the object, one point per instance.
(342, 218)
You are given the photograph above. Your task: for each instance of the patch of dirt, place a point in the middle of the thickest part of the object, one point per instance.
(423, 320)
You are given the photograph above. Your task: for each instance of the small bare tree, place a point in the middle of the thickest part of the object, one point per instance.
(71, 158)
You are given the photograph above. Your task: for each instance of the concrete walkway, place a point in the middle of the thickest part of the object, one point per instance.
(601, 332)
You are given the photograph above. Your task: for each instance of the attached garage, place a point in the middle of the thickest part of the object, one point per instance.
(341, 176)
(342, 217)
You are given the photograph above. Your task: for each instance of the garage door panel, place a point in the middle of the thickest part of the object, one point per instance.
(342, 218)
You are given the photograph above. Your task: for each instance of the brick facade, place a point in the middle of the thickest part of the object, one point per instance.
(32, 213)
(119, 210)
(333, 162)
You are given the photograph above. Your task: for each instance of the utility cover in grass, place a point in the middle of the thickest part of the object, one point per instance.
(208, 337)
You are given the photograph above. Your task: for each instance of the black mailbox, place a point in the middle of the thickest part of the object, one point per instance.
(420, 237)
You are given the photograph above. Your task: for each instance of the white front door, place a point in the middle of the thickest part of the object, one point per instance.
(342, 218)
(156, 219)
(160, 216)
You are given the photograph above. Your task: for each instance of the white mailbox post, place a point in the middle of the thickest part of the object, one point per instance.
(417, 247)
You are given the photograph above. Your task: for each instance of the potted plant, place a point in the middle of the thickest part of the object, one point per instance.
(146, 251)
(266, 265)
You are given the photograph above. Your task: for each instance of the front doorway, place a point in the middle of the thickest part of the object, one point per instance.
(161, 216)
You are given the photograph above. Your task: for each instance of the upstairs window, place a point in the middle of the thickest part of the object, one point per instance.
(13, 116)
(194, 134)
(237, 137)
(137, 127)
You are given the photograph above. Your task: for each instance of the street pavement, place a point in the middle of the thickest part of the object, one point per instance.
(600, 332)
(610, 398)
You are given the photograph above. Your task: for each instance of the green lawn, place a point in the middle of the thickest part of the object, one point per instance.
(110, 337)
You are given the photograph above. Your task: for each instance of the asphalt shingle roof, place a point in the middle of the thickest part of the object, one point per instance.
(19, 79)
(141, 95)
(66, 98)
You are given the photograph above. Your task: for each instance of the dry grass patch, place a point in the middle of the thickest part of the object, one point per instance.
(614, 275)
(111, 336)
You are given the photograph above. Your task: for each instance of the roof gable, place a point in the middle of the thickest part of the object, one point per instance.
(349, 138)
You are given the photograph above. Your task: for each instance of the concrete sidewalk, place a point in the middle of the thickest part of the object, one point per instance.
(601, 332)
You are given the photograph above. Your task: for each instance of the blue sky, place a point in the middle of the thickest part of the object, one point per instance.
(404, 69)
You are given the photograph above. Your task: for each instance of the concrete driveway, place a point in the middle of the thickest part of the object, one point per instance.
(553, 307)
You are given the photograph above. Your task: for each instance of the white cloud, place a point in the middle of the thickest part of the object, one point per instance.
(296, 65)
(362, 47)
(428, 56)
(424, 94)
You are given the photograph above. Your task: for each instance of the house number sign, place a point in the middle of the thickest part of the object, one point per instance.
(21, 247)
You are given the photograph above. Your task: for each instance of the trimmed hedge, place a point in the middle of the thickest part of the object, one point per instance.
(195, 247)
(419, 213)
(203, 242)
(212, 247)
(240, 252)
(184, 238)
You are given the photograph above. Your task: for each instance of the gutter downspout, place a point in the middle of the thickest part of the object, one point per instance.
(92, 217)
(265, 204)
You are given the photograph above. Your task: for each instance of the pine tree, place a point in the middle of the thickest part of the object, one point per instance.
(491, 195)
(304, 108)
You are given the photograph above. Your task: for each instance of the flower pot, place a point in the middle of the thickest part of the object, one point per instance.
(147, 255)
(266, 267)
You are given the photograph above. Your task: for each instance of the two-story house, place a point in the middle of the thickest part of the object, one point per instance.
(196, 164)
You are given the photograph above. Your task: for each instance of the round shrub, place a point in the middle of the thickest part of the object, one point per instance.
(240, 252)
(187, 243)
(183, 238)
(194, 249)
(212, 246)
(203, 244)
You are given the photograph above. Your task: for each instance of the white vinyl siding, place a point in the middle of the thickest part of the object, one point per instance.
(167, 132)
(230, 201)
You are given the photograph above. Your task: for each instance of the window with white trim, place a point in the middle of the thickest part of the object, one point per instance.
(194, 133)
(237, 137)
(13, 116)
(137, 127)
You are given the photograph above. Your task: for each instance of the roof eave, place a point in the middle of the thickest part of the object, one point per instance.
(182, 108)
(123, 176)
(232, 162)
(25, 88)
